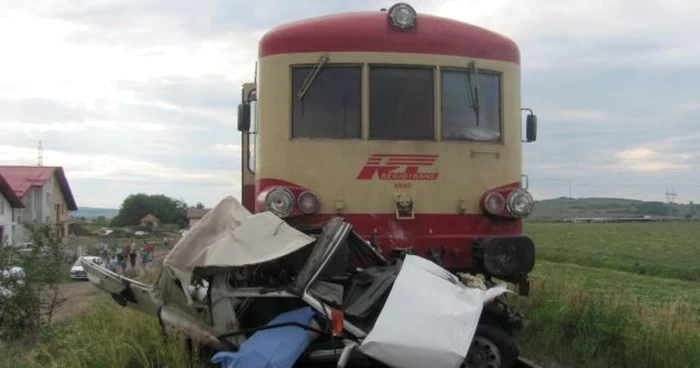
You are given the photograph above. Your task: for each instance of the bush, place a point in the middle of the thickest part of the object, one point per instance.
(29, 302)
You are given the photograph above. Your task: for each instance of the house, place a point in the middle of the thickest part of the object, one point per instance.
(150, 220)
(9, 204)
(45, 194)
(195, 214)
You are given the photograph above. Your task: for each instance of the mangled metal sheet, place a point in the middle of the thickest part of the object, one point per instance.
(227, 236)
(428, 320)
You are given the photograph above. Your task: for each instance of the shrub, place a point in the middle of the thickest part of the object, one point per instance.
(30, 300)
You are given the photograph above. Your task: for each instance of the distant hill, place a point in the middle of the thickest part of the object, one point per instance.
(564, 207)
(94, 212)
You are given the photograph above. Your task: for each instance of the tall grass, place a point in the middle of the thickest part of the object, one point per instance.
(106, 336)
(568, 324)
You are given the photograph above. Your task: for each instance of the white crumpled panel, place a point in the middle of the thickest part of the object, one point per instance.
(429, 318)
(227, 236)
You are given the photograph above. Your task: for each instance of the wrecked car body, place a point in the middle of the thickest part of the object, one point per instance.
(257, 292)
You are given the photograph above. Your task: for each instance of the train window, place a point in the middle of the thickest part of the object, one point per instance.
(332, 105)
(253, 136)
(401, 103)
(459, 115)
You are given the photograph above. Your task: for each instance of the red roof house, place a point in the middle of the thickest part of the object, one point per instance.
(23, 178)
(150, 220)
(9, 194)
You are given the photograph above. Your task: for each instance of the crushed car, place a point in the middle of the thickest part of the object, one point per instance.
(252, 291)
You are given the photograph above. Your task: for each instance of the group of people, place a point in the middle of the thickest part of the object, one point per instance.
(123, 259)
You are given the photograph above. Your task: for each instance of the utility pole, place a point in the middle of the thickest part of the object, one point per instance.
(692, 210)
(40, 156)
(670, 198)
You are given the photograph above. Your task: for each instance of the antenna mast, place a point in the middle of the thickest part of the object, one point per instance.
(40, 156)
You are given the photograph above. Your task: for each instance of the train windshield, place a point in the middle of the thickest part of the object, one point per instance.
(331, 106)
(471, 105)
(401, 103)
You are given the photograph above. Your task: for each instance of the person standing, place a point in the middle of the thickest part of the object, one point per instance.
(104, 255)
(112, 263)
(144, 257)
(132, 257)
(123, 262)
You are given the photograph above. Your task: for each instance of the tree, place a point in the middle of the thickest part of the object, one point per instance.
(199, 205)
(137, 206)
(30, 296)
(653, 208)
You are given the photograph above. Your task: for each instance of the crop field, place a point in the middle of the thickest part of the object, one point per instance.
(614, 294)
(665, 249)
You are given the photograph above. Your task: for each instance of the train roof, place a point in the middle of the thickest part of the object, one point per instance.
(371, 32)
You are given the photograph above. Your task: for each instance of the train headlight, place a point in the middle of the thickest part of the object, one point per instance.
(280, 201)
(402, 17)
(520, 203)
(494, 203)
(308, 202)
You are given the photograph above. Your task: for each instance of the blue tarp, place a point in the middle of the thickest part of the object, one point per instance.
(274, 348)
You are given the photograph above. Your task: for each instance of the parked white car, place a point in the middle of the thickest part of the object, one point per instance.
(77, 272)
(105, 231)
(141, 233)
(24, 247)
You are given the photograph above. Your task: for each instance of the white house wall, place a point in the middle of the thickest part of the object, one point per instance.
(47, 215)
(6, 220)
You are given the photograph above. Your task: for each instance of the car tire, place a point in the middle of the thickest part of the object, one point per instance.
(492, 347)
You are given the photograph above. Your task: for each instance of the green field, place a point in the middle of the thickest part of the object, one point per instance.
(665, 249)
(614, 295)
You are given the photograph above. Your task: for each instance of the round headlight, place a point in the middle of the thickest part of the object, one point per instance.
(402, 16)
(494, 203)
(280, 201)
(308, 202)
(520, 203)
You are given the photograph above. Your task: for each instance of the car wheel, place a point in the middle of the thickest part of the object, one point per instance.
(492, 347)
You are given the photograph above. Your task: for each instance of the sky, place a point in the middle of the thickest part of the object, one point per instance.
(141, 96)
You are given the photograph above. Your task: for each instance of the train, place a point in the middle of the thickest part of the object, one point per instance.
(408, 125)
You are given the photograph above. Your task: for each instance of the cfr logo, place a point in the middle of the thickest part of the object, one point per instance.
(398, 167)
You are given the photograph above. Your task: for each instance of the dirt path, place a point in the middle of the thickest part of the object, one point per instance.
(79, 295)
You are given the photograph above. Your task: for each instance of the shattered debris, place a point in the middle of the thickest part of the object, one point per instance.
(264, 294)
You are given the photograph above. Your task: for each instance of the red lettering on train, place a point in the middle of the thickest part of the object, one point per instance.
(402, 167)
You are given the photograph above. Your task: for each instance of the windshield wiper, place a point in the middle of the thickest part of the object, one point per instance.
(311, 77)
(473, 88)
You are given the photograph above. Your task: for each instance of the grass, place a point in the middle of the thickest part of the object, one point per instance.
(614, 295)
(570, 324)
(664, 249)
(107, 336)
(643, 291)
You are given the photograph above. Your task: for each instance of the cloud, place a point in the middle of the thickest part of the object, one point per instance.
(644, 33)
(647, 160)
(141, 95)
(226, 148)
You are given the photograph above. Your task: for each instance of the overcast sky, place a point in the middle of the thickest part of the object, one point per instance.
(140, 96)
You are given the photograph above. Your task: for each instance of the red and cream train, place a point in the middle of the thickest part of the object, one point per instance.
(408, 125)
